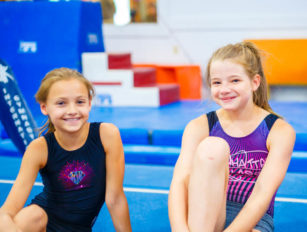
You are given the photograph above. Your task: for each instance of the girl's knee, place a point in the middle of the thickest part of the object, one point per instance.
(32, 215)
(38, 215)
(213, 150)
(4, 220)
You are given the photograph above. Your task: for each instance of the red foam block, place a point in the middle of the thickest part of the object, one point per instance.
(144, 77)
(169, 93)
(119, 61)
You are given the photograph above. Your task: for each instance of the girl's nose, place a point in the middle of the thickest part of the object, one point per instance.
(71, 109)
(225, 88)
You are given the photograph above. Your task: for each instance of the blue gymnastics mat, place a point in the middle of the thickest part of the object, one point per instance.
(164, 126)
(146, 188)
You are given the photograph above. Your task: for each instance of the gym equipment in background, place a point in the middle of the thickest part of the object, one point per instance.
(38, 36)
(15, 115)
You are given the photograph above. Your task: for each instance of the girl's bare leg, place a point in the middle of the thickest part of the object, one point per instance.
(207, 186)
(31, 219)
(222, 217)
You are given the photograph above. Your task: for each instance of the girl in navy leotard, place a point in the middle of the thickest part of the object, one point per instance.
(81, 164)
(232, 160)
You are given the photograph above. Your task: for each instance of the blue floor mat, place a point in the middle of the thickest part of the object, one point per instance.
(146, 188)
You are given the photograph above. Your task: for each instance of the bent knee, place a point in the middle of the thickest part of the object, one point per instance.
(38, 215)
(213, 149)
(32, 215)
(5, 219)
(37, 212)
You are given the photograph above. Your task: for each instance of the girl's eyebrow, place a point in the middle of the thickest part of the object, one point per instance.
(60, 98)
(80, 96)
(234, 75)
(230, 76)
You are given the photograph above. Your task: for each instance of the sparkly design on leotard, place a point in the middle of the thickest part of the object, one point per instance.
(76, 175)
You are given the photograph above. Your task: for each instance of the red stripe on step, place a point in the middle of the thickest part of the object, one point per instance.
(106, 83)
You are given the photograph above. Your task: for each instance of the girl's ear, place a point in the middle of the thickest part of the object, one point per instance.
(43, 107)
(256, 82)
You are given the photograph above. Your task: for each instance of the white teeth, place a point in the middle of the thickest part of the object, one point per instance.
(227, 98)
(71, 119)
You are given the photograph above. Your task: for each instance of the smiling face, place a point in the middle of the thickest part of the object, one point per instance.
(67, 105)
(231, 87)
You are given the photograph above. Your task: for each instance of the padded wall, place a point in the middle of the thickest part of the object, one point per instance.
(285, 61)
(39, 36)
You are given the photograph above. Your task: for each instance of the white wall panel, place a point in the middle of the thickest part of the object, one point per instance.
(188, 32)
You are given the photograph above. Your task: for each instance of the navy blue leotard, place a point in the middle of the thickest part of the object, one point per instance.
(74, 184)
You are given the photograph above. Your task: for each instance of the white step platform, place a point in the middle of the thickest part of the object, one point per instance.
(116, 87)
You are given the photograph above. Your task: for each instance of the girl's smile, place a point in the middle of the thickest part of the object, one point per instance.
(227, 99)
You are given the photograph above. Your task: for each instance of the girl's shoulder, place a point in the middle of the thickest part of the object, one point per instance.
(109, 134)
(108, 129)
(37, 151)
(201, 122)
(281, 137)
(278, 123)
(282, 126)
(198, 127)
(38, 144)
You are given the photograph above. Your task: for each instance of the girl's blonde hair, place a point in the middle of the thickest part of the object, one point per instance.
(247, 55)
(52, 77)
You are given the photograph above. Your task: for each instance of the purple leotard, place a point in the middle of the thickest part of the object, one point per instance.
(247, 157)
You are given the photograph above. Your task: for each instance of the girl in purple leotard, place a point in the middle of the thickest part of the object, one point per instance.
(232, 160)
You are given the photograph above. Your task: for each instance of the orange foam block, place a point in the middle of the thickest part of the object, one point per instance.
(285, 61)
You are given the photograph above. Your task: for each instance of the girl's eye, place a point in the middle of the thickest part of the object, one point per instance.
(60, 103)
(235, 80)
(81, 102)
(215, 82)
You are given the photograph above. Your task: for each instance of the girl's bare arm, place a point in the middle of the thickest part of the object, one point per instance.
(115, 164)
